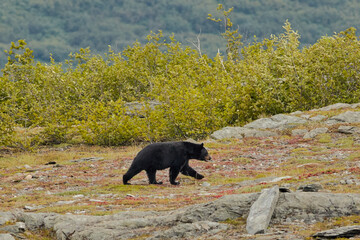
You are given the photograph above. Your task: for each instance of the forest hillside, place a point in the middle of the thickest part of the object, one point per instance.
(63, 26)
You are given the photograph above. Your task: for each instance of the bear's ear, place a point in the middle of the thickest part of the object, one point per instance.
(202, 144)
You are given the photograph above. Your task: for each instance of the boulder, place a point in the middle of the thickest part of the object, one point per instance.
(314, 187)
(262, 210)
(310, 207)
(227, 207)
(190, 231)
(185, 222)
(315, 132)
(240, 132)
(189, 221)
(348, 129)
(299, 132)
(279, 121)
(6, 236)
(335, 106)
(18, 227)
(341, 232)
(355, 105)
(346, 117)
(33, 221)
(6, 217)
(318, 118)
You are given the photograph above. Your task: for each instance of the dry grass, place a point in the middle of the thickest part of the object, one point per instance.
(233, 162)
(95, 187)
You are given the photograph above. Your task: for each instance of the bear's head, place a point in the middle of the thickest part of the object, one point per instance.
(204, 155)
(197, 151)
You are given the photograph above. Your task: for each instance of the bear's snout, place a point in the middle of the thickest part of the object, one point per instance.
(207, 158)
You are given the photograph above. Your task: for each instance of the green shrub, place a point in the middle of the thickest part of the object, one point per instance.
(85, 97)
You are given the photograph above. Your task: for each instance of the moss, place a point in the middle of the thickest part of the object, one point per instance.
(235, 222)
(325, 138)
(41, 234)
(345, 142)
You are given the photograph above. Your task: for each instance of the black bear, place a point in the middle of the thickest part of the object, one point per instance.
(175, 155)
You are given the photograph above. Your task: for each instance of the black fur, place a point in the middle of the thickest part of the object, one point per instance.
(173, 155)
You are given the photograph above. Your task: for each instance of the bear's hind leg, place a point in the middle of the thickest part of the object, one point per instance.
(174, 172)
(152, 177)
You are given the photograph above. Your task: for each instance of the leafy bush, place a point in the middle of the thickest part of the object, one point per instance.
(85, 98)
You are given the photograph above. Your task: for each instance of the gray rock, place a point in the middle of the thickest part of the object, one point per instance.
(355, 105)
(314, 187)
(240, 132)
(349, 181)
(33, 207)
(278, 179)
(6, 217)
(259, 133)
(32, 221)
(6, 236)
(65, 202)
(315, 132)
(298, 206)
(346, 117)
(205, 184)
(261, 180)
(341, 232)
(19, 227)
(306, 116)
(279, 121)
(348, 129)
(335, 106)
(318, 118)
(190, 231)
(227, 207)
(262, 210)
(228, 132)
(299, 132)
(88, 159)
(315, 206)
(296, 113)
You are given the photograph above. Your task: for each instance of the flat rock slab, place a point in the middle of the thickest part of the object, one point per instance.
(6, 217)
(190, 231)
(310, 207)
(346, 117)
(348, 129)
(261, 211)
(342, 232)
(315, 132)
(241, 132)
(92, 159)
(191, 222)
(334, 107)
(315, 187)
(6, 236)
(279, 121)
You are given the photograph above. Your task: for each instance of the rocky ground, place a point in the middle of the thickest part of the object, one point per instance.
(45, 194)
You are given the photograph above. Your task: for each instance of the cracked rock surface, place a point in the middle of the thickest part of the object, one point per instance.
(194, 221)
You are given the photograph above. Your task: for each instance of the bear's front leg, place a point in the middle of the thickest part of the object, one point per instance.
(189, 171)
(130, 173)
(173, 173)
(152, 177)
